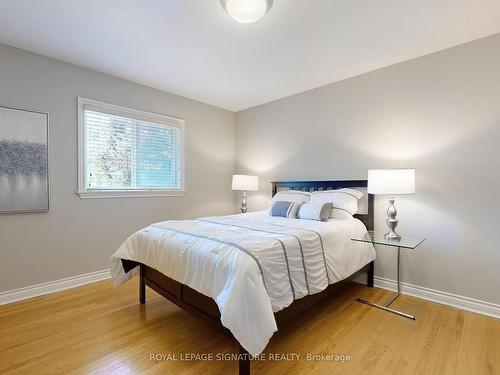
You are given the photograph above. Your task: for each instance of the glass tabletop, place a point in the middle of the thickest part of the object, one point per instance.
(378, 238)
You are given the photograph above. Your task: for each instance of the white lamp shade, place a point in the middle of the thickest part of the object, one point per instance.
(391, 181)
(244, 182)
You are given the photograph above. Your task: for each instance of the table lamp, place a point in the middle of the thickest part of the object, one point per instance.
(245, 183)
(391, 182)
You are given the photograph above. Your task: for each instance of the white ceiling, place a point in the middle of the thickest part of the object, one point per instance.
(192, 48)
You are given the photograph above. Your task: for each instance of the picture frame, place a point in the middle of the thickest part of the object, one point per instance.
(24, 160)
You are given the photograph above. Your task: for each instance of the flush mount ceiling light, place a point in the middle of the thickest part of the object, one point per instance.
(246, 11)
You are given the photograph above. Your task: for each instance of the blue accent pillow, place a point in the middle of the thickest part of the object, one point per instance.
(284, 209)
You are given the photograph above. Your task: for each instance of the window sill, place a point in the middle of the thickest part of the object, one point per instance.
(129, 194)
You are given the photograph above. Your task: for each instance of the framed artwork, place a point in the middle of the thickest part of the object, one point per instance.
(24, 162)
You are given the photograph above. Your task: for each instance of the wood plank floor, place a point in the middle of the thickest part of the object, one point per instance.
(96, 329)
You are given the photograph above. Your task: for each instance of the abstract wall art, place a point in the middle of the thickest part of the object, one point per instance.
(24, 185)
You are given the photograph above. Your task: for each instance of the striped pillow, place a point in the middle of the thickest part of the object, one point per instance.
(290, 196)
(284, 209)
(344, 201)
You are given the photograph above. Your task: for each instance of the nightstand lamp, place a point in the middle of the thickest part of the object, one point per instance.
(391, 182)
(245, 183)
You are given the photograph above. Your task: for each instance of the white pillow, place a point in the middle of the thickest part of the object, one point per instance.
(344, 201)
(358, 194)
(290, 196)
(310, 211)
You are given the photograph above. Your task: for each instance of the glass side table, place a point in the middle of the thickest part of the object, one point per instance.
(410, 243)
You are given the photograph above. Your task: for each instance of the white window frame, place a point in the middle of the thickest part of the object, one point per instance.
(129, 113)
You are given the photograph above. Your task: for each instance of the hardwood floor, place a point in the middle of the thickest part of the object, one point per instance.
(96, 329)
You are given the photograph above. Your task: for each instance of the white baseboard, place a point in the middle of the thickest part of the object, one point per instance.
(461, 302)
(52, 286)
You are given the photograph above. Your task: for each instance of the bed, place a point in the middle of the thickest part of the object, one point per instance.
(249, 273)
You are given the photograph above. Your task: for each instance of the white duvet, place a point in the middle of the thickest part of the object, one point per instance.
(252, 265)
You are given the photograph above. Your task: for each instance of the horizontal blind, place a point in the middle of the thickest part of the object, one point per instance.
(124, 153)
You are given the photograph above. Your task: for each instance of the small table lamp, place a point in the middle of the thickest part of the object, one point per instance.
(391, 182)
(245, 183)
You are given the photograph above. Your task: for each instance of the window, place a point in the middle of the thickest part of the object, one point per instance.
(125, 152)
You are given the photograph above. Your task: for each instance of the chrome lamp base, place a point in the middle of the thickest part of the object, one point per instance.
(392, 222)
(244, 202)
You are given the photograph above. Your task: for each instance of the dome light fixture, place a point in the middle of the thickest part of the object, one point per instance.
(246, 11)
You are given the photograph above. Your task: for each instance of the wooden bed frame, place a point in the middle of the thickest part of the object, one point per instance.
(205, 307)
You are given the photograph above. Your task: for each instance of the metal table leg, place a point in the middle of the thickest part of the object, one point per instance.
(385, 306)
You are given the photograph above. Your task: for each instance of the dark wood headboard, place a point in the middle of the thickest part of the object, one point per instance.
(310, 186)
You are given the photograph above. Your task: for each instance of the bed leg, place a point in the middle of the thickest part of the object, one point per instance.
(243, 361)
(370, 274)
(142, 285)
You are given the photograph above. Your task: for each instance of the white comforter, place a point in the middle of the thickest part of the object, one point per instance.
(252, 265)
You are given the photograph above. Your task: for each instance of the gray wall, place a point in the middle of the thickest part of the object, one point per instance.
(439, 114)
(77, 236)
